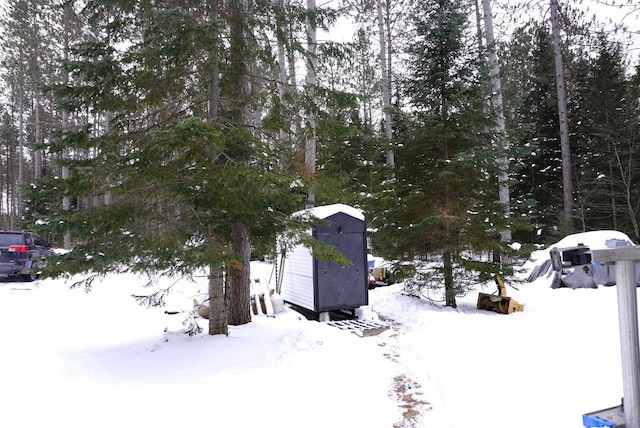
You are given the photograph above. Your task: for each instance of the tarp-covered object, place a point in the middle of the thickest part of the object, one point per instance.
(586, 276)
(589, 275)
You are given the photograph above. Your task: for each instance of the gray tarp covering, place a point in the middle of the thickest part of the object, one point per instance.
(582, 276)
(540, 270)
(597, 275)
(587, 276)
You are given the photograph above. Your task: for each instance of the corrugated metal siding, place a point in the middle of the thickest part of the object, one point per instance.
(297, 279)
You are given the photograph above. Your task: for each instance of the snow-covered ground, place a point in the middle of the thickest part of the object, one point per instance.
(76, 359)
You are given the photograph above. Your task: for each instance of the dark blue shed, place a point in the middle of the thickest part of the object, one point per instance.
(323, 285)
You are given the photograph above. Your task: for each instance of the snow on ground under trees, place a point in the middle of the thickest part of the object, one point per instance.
(76, 359)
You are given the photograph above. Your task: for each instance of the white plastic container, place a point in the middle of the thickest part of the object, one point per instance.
(277, 302)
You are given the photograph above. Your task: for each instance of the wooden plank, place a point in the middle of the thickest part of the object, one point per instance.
(360, 327)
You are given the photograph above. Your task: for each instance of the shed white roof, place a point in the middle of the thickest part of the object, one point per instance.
(325, 211)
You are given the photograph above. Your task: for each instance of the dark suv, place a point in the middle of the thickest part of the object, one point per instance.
(19, 254)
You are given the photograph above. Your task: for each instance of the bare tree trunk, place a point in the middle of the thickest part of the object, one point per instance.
(389, 46)
(218, 323)
(626, 177)
(479, 26)
(218, 305)
(311, 81)
(386, 85)
(37, 154)
(239, 276)
(449, 287)
(282, 69)
(12, 174)
(13, 203)
(214, 87)
(66, 203)
(612, 195)
(282, 77)
(20, 153)
(567, 182)
(496, 100)
(107, 129)
(291, 62)
(3, 190)
(239, 279)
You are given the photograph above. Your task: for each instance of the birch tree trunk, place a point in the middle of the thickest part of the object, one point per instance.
(66, 202)
(386, 84)
(311, 81)
(282, 77)
(291, 61)
(567, 181)
(496, 101)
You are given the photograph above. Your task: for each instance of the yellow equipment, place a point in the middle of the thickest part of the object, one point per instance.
(499, 303)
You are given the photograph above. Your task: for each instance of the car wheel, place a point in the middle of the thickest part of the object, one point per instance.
(29, 277)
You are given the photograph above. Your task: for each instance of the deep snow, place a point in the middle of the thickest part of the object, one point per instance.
(76, 359)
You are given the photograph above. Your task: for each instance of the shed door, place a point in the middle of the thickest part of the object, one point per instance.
(342, 286)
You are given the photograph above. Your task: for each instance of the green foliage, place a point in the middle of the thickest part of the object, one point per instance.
(175, 193)
(603, 129)
(605, 144)
(160, 188)
(539, 107)
(349, 154)
(156, 181)
(443, 195)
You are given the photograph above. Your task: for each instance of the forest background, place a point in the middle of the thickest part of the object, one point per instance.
(161, 136)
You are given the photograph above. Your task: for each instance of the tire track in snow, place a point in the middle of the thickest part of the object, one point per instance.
(406, 390)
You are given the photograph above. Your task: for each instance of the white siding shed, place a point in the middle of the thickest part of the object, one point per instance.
(322, 285)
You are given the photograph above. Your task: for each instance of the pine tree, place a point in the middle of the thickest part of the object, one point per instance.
(596, 84)
(606, 139)
(25, 45)
(443, 199)
(181, 181)
(8, 171)
(565, 148)
(530, 99)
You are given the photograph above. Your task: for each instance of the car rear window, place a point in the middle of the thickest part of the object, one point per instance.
(7, 239)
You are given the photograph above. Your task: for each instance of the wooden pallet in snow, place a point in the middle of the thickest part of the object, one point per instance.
(360, 327)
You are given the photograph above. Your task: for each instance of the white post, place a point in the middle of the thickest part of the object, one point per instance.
(628, 318)
(625, 260)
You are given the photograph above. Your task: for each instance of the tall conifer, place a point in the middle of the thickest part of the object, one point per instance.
(182, 181)
(443, 198)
